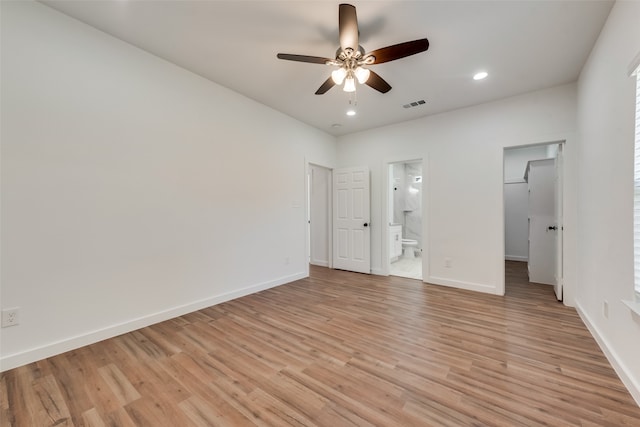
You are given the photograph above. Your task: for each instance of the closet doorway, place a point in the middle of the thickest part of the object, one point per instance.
(533, 202)
(319, 209)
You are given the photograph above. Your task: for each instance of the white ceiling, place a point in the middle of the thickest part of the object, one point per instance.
(524, 45)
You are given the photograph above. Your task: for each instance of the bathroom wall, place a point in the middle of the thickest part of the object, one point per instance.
(398, 193)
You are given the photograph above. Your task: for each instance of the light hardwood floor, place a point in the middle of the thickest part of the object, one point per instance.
(337, 349)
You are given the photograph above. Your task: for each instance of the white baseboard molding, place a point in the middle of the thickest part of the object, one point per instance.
(516, 258)
(51, 349)
(470, 286)
(621, 369)
(378, 272)
(320, 263)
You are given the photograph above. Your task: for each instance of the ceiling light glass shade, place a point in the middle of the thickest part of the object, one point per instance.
(362, 74)
(349, 84)
(481, 75)
(338, 75)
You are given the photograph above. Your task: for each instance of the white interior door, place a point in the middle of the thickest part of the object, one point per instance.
(542, 221)
(557, 287)
(351, 228)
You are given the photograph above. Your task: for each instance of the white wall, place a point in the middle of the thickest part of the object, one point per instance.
(516, 221)
(516, 159)
(463, 180)
(606, 96)
(133, 190)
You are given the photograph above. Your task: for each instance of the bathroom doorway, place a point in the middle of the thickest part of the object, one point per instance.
(405, 212)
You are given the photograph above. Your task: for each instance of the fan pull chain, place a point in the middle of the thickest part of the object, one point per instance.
(353, 103)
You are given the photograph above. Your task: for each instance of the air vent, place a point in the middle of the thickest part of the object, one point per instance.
(414, 104)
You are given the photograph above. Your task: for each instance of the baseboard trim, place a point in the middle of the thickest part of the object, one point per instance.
(516, 258)
(612, 356)
(38, 353)
(320, 263)
(470, 286)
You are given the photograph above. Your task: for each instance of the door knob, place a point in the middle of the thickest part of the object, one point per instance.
(366, 224)
(552, 227)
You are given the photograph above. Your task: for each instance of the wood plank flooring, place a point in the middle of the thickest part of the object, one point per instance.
(337, 349)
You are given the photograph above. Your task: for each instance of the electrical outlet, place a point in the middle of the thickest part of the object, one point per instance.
(605, 309)
(448, 263)
(287, 260)
(10, 317)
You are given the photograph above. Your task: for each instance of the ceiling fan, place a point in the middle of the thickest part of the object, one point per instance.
(351, 58)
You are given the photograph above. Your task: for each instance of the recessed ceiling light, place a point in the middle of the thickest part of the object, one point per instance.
(336, 125)
(481, 75)
(351, 112)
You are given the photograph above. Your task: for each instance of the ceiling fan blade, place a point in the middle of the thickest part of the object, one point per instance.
(397, 51)
(328, 84)
(378, 83)
(348, 25)
(303, 58)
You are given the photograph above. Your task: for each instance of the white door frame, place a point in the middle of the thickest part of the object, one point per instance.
(561, 253)
(559, 187)
(385, 212)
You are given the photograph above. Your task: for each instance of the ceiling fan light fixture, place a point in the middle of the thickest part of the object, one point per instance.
(351, 58)
(362, 74)
(349, 84)
(338, 75)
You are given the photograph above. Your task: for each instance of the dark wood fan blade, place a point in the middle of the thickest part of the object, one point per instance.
(303, 58)
(397, 51)
(348, 24)
(378, 83)
(328, 84)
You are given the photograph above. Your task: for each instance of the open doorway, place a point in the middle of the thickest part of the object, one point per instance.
(533, 177)
(319, 208)
(405, 240)
(338, 218)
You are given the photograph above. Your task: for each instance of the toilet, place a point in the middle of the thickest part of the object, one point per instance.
(409, 247)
